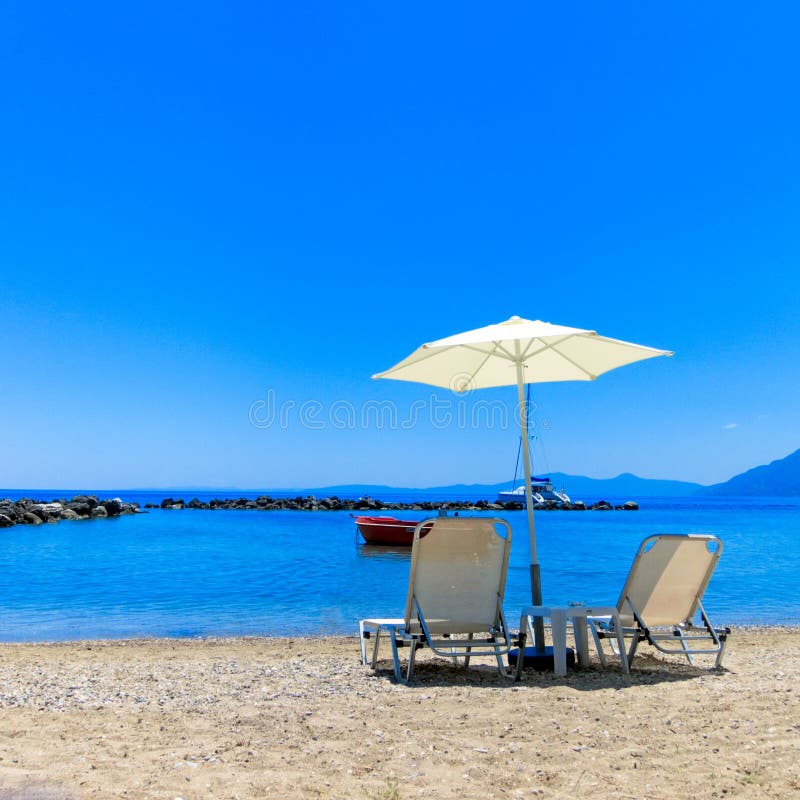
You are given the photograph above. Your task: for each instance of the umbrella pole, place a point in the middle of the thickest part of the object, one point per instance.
(536, 579)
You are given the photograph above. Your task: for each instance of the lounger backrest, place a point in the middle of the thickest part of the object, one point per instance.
(458, 574)
(668, 577)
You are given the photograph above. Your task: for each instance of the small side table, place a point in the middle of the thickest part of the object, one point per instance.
(558, 616)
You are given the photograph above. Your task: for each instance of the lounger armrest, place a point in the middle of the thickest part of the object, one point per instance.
(368, 635)
(722, 633)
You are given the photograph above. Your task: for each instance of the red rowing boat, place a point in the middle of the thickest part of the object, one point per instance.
(388, 530)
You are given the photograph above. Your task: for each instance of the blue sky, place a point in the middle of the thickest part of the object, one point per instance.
(204, 207)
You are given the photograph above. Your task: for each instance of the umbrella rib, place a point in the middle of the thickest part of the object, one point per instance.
(508, 355)
(575, 364)
(495, 346)
(445, 349)
(487, 353)
(554, 347)
(431, 352)
(503, 353)
(487, 357)
(528, 347)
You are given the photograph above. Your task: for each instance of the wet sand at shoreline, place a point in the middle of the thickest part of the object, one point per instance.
(301, 718)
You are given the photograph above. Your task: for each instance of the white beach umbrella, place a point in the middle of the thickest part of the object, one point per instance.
(518, 351)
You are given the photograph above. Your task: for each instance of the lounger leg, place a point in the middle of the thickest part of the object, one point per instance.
(634, 645)
(498, 654)
(362, 643)
(722, 645)
(454, 656)
(411, 656)
(720, 642)
(689, 658)
(598, 644)
(375, 647)
(520, 653)
(623, 657)
(398, 673)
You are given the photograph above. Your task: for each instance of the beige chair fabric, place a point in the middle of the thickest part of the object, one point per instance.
(457, 573)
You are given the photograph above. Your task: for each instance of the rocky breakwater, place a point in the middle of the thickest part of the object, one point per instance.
(368, 504)
(36, 512)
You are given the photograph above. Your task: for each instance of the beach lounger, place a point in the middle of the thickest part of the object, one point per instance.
(455, 595)
(661, 597)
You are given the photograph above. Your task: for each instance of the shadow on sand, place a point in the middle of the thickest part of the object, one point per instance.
(647, 671)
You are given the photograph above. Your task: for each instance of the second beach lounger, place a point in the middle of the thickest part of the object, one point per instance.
(661, 596)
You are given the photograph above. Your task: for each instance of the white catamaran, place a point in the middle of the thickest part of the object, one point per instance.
(542, 490)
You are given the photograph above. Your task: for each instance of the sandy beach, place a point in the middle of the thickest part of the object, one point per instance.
(300, 718)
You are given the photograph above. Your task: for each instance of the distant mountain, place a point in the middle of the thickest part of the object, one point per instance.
(781, 478)
(623, 485)
(578, 487)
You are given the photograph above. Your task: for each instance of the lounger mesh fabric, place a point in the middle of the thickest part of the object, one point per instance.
(668, 577)
(457, 573)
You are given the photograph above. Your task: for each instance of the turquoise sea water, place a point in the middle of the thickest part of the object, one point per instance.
(199, 573)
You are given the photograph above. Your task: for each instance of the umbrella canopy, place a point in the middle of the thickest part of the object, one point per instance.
(489, 356)
(516, 352)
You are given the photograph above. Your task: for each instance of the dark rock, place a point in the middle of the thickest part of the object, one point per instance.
(99, 511)
(112, 507)
(68, 513)
(53, 510)
(84, 500)
(5, 522)
(10, 510)
(39, 511)
(81, 509)
(29, 518)
(630, 506)
(311, 503)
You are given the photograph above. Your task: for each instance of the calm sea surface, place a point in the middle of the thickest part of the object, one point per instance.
(278, 573)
